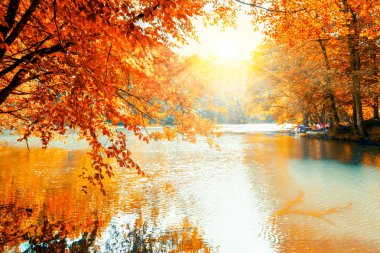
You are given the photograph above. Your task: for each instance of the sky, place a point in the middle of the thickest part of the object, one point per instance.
(231, 52)
(229, 44)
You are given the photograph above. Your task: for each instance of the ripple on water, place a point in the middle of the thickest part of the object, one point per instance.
(259, 193)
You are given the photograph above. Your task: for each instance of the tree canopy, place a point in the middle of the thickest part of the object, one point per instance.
(321, 57)
(91, 65)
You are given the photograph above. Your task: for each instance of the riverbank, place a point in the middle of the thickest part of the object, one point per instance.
(345, 132)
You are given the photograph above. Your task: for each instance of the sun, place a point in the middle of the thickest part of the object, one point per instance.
(228, 45)
(225, 49)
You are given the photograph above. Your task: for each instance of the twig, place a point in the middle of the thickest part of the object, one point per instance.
(268, 9)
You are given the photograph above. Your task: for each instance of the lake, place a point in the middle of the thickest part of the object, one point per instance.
(262, 192)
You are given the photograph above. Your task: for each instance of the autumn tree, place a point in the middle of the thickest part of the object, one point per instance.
(279, 78)
(90, 65)
(329, 26)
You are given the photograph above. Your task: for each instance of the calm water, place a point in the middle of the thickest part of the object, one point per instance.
(263, 192)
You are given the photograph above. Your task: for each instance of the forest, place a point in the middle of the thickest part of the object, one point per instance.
(320, 63)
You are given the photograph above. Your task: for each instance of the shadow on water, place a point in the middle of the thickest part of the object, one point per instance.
(288, 147)
(347, 153)
(143, 237)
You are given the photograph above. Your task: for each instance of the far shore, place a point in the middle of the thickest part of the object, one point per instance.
(345, 132)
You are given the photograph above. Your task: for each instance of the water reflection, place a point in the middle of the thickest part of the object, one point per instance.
(118, 236)
(285, 147)
(42, 208)
(28, 234)
(261, 193)
(322, 194)
(291, 208)
(141, 236)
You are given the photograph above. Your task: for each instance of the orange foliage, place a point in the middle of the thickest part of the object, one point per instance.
(330, 44)
(46, 212)
(92, 65)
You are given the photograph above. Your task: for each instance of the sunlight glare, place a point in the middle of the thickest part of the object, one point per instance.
(225, 49)
(226, 45)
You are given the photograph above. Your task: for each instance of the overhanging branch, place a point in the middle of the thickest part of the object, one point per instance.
(20, 25)
(10, 17)
(29, 57)
(16, 81)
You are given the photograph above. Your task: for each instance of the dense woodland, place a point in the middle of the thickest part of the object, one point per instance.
(320, 62)
(89, 65)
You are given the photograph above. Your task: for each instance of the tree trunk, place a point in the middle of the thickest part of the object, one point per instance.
(354, 57)
(354, 115)
(311, 121)
(376, 106)
(375, 72)
(330, 94)
(358, 106)
(324, 117)
(356, 89)
(305, 120)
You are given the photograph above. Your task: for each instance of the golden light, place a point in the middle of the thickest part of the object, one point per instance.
(226, 49)
(229, 44)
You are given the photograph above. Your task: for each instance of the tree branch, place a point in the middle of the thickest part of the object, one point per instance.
(10, 17)
(20, 25)
(12, 111)
(25, 58)
(16, 81)
(268, 9)
(29, 57)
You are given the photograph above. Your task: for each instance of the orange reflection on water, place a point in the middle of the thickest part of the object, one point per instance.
(321, 196)
(300, 238)
(42, 204)
(42, 194)
(300, 235)
(371, 159)
(291, 208)
(244, 198)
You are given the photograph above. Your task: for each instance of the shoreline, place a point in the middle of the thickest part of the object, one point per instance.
(345, 137)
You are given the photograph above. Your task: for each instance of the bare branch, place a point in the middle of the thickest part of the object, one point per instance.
(268, 9)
